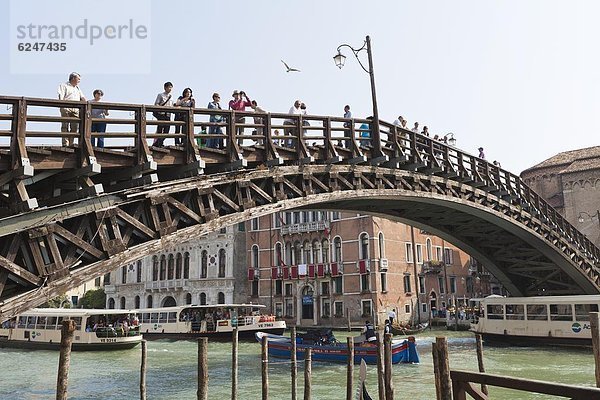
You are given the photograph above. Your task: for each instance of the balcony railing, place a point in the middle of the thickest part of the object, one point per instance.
(304, 227)
(432, 267)
(170, 284)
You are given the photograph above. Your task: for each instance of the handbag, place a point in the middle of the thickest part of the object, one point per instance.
(161, 114)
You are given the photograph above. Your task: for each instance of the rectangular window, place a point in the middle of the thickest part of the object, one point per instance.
(254, 224)
(289, 308)
(438, 253)
(582, 311)
(424, 308)
(337, 285)
(515, 311)
(365, 285)
(537, 312)
(325, 308)
(288, 289)
(325, 288)
(442, 283)
(419, 253)
(107, 279)
(448, 256)
(123, 274)
(277, 219)
(561, 312)
(223, 231)
(254, 288)
(367, 308)
(97, 282)
(421, 284)
(278, 287)
(74, 300)
(495, 311)
(338, 308)
(242, 227)
(383, 282)
(453, 284)
(407, 308)
(138, 267)
(407, 284)
(409, 252)
(335, 215)
(279, 310)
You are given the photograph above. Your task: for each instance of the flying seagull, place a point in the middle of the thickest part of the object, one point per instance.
(288, 67)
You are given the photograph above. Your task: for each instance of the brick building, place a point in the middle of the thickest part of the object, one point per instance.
(570, 182)
(327, 268)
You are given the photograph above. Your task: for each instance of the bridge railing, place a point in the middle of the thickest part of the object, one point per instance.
(225, 139)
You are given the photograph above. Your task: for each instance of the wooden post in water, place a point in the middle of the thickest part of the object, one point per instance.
(294, 365)
(350, 368)
(595, 325)
(265, 367)
(443, 368)
(234, 364)
(436, 370)
(480, 361)
(64, 360)
(307, 374)
(202, 393)
(389, 386)
(380, 368)
(348, 319)
(143, 370)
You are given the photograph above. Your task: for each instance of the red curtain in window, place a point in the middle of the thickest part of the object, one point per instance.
(274, 272)
(362, 266)
(294, 272)
(320, 270)
(286, 273)
(334, 269)
(311, 270)
(251, 274)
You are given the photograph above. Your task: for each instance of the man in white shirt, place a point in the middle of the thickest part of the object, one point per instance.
(392, 316)
(415, 128)
(347, 132)
(294, 110)
(163, 99)
(70, 91)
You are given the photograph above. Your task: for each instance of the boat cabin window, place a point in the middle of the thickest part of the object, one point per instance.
(51, 323)
(41, 322)
(22, 322)
(495, 311)
(582, 311)
(77, 323)
(31, 322)
(515, 311)
(561, 312)
(172, 317)
(537, 312)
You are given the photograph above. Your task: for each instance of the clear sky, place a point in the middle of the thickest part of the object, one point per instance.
(519, 78)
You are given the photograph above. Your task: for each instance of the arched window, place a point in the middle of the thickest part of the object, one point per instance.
(149, 301)
(122, 303)
(204, 264)
(186, 265)
(364, 246)
(188, 298)
(297, 253)
(202, 299)
(325, 250)
(123, 274)
(222, 259)
(155, 268)
(221, 298)
(337, 249)
(178, 266)
(171, 267)
(138, 274)
(429, 249)
(316, 251)
(137, 302)
(289, 251)
(163, 267)
(111, 303)
(254, 256)
(278, 255)
(307, 253)
(381, 245)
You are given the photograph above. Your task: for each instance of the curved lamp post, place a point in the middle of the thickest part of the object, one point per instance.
(450, 137)
(340, 60)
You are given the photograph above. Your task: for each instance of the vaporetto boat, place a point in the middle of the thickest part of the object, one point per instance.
(213, 321)
(549, 320)
(40, 328)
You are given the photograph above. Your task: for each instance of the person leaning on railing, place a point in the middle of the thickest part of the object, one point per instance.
(163, 99)
(98, 113)
(70, 91)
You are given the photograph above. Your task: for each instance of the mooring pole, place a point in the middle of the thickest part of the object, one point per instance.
(595, 325)
(202, 393)
(143, 370)
(294, 365)
(380, 368)
(389, 386)
(265, 367)
(350, 368)
(234, 364)
(307, 374)
(64, 360)
(484, 388)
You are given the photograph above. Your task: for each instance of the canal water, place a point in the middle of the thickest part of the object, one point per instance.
(171, 374)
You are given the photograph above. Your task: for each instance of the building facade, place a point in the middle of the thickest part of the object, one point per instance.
(570, 182)
(202, 271)
(333, 269)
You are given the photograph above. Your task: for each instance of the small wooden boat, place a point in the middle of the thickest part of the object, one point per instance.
(408, 330)
(330, 350)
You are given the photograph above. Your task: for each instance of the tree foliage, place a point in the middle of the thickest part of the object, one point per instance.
(57, 302)
(93, 299)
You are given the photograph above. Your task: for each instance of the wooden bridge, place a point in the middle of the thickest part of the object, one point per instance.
(69, 214)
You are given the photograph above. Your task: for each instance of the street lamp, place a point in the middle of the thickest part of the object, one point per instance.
(340, 60)
(449, 137)
(581, 218)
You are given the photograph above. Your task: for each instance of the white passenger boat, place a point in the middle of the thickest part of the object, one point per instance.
(549, 320)
(213, 321)
(40, 328)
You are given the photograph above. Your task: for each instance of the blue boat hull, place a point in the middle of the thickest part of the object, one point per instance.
(404, 351)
